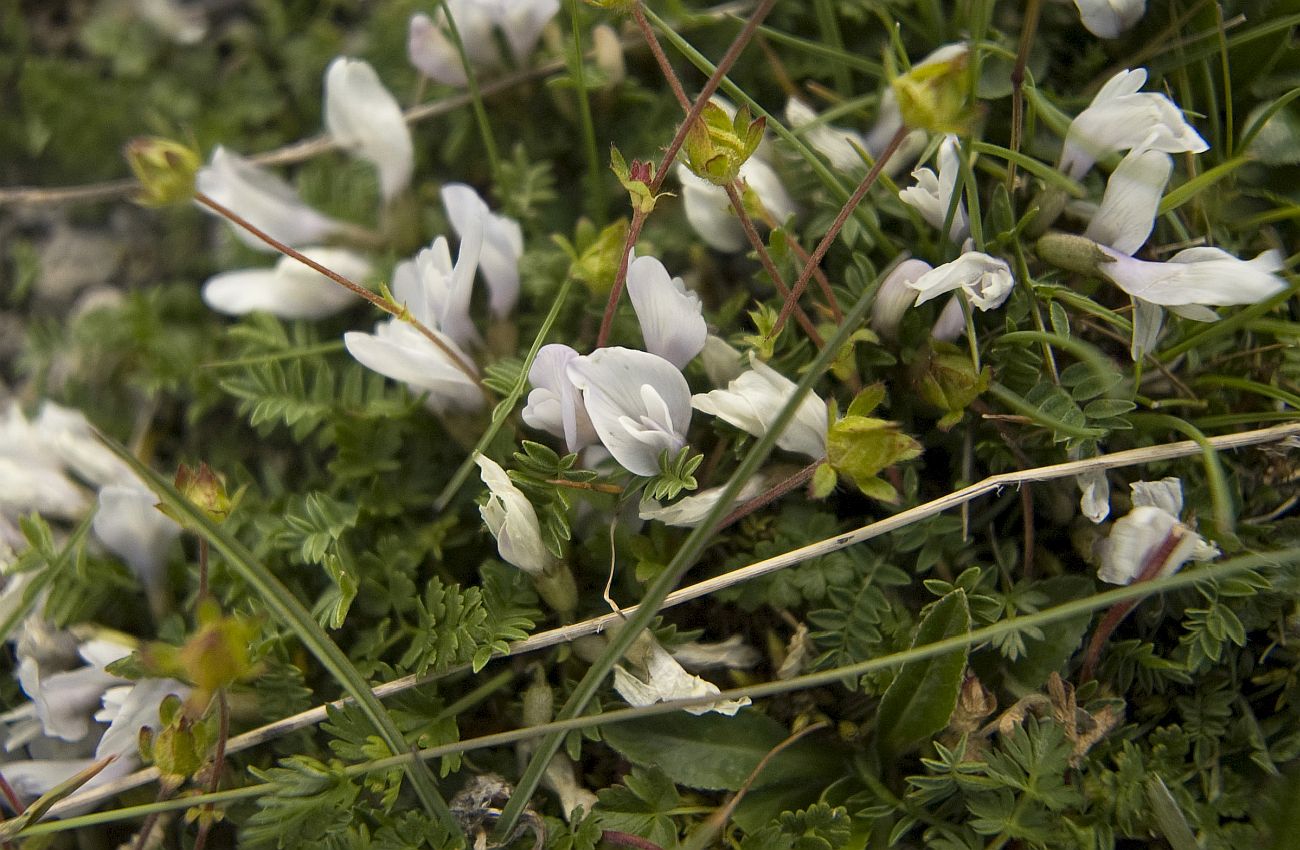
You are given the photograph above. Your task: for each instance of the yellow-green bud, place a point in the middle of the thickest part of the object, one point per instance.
(860, 447)
(636, 179)
(935, 95)
(718, 145)
(165, 169)
(205, 490)
(1071, 252)
(947, 379)
(594, 255)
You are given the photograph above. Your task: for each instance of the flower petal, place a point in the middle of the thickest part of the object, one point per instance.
(1128, 209)
(264, 200)
(365, 118)
(671, 317)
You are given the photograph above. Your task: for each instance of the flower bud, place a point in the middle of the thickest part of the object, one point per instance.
(205, 490)
(935, 95)
(165, 169)
(1072, 253)
(947, 379)
(717, 145)
(609, 53)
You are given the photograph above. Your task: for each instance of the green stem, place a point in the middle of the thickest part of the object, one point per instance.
(475, 98)
(577, 69)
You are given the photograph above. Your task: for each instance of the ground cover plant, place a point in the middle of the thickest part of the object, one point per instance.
(769, 425)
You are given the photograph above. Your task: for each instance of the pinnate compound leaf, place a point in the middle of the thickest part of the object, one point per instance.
(924, 693)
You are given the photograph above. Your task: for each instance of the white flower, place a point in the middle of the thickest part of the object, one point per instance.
(721, 362)
(364, 118)
(290, 290)
(1128, 209)
(555, 404)
(522, 21)
(69, 435)
(1136, 537)
(503, 243)
(709, 211)
(1195, 277)
(444, 289)
(951, 323)
(754, 400)
(1094, 498)
(895, 295)
(932, 195)
(639, 404)
(512, 520)
(661, 679)
(64, 701)
(671, 317)
(839, 146)
(1121, 118)
(130, 525)
(986, 280)
(265, 200)
(129, 708)
(1109, 18)
(690, 511)
(732, 653)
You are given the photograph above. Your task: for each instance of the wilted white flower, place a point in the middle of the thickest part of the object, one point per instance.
(1109, 18)
(986, 280)
(753, 401)
(399, 351)
(265, 200)
(1135, 538)
(363, 117)
(932, 195)
(131, 526)
(661, 679)
(1094, 498)
(503, 243)
(671, 317)
(895, 295)
(1121, 118)
(638, 402)
(732, 654)
(709, 210)
(512, 520)
(290, 290)
(555, 404)
(689, 511)
(607, 50)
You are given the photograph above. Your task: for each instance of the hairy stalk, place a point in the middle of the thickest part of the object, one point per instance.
(823, 246)
(1028, 27)
(770, 495)
(665, 163)
(661, 58)
(395, 310)
(756, 242)
(218, 762)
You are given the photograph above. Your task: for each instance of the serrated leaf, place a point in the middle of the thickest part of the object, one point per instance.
(924, 693)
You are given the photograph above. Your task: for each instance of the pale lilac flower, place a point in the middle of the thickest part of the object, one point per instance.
(932, 195)
(512, 520)
(364, 118)
(986, 280)
(503, 244)
(895, 296)
(661, 679)
(290, 290)
(65, 700)
(555, 404)
(1120, 118)
(639, 404)
(671, 317)
(264, 199)
(753, 401)
(1136, 536)
(1110, 18)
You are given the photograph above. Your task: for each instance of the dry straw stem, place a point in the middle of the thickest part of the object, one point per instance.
(564, 634)
(306, 149)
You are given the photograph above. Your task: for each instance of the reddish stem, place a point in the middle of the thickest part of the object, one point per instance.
(1151, 566)
(218, 760)
(770, 495)
(620, 277)
(627, 839)
(824, 245)
(11, 796)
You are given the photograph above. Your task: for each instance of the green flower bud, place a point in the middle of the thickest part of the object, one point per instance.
(165, 169)
(717, 145)
(935, 94)
(947, 379)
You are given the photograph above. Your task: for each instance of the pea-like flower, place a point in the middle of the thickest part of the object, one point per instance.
(1110, 18)
(708, 209)
(264, 199)
(555, 405)
(1120, 118)
(987, 281)
(753, 401)
(512, 520)
(932, 195)
(289, 289)
(503, 243)
(432, 52)
(638, 402)
(1137, 536)
(671, 317)
(364, 118)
